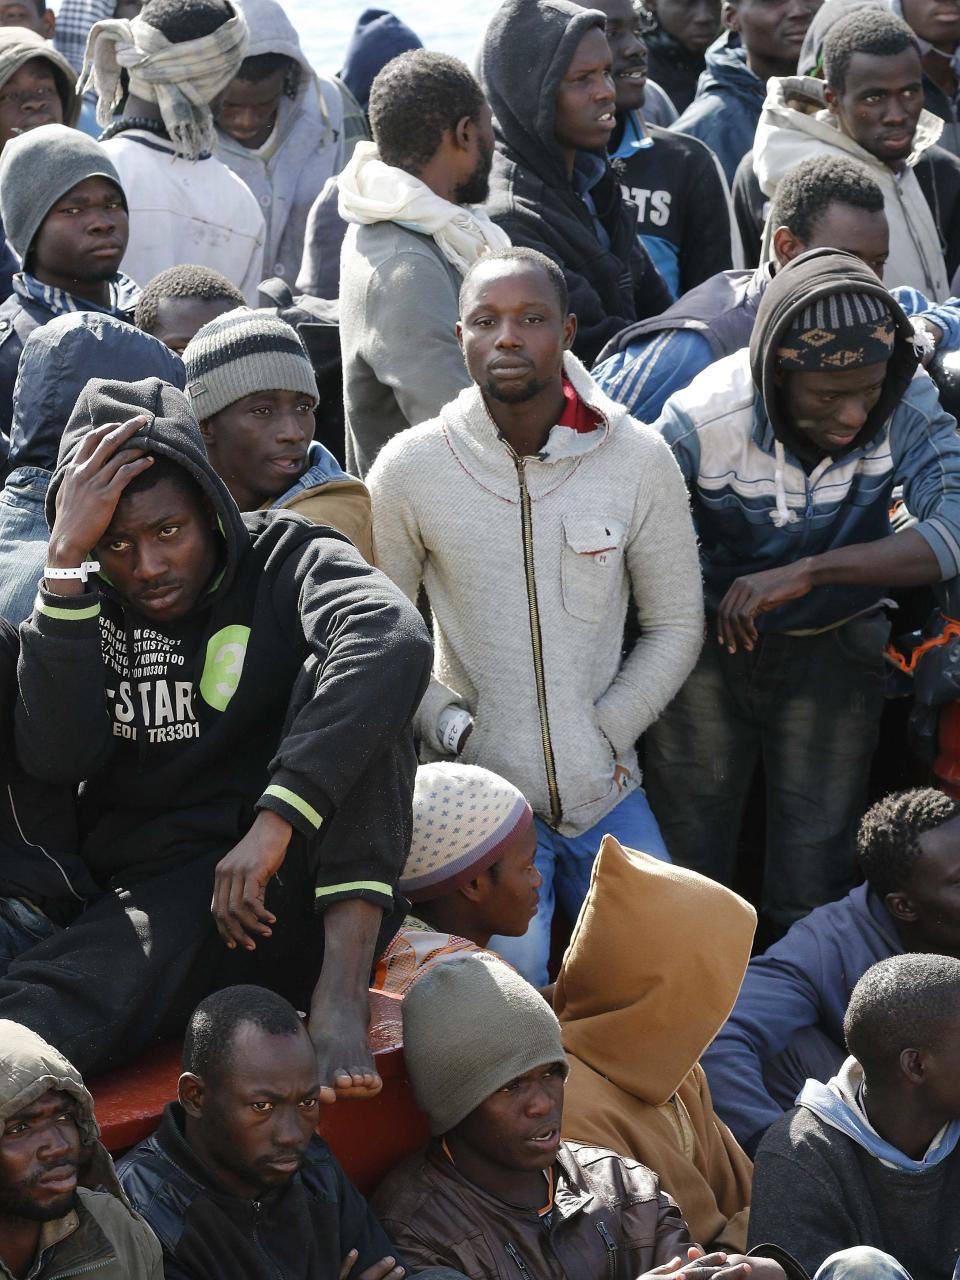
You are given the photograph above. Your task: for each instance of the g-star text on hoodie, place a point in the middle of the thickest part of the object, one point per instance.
(165, 704)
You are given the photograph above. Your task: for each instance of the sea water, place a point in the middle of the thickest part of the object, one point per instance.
(450, 26)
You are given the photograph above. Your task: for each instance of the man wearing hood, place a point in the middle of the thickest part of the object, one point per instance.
(763, 39)
(791, 450)
(620, 985)
(62, 1212)
(236, 696)
(546, 69)
(870, 107)
(58, 360)
(280, 129)
(37, 86)
(869, 1162)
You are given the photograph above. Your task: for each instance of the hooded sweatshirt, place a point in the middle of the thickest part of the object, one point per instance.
(825, 1180)
(635, 1083)
(530, 565)
(304, 149)
(585, 224)
(796, 126)
(764, 497)
(59, 359)
(100, 1236)
(293, 678)
(727, 105)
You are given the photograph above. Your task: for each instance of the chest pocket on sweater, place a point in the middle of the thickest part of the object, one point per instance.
(590, 564)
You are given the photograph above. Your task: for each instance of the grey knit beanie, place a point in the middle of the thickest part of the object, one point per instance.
(40, 166)
(470, 1025)
(242, 352)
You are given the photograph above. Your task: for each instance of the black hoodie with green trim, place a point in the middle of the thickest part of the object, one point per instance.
(527, 49)
(290, 686)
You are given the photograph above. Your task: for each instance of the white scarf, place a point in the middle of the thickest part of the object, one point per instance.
(182, 79)
(371, 191)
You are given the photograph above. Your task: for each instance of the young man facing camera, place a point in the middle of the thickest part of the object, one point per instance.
(582, 516)
(244, 1129)
(237, 697)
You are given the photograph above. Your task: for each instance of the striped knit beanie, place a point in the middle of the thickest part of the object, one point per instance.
(464, 820)
(470, 1026)
(839, 331)
(242, 352)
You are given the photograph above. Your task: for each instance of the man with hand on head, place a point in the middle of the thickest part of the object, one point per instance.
(243, 1129)
(62, 1212)
(236, 695)
(791, 450)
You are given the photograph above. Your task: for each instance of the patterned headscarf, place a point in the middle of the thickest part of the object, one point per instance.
(182, 79)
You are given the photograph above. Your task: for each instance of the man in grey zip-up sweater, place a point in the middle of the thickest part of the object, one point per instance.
(532, 510)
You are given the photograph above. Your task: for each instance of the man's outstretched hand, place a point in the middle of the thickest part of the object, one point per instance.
(713, 1266)
(758, 593)
(241, 879)
(385, 1269)
(93, 483)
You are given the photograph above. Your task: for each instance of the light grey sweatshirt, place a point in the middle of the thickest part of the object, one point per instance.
(530, 565)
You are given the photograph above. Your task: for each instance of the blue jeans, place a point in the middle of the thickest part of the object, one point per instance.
(809, 708)
(21, 927)
(23, 540)
(565, 863)
(862, 1263)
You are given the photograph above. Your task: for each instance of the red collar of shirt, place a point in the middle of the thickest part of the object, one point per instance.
(577, 414)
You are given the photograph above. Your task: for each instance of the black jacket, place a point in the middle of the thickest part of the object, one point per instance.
(526, 52)
(302, 1232)
(38, 824)
(291, 687)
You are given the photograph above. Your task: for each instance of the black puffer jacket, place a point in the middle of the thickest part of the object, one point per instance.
(526, 52)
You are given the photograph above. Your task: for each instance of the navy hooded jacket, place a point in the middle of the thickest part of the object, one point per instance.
(727, 106)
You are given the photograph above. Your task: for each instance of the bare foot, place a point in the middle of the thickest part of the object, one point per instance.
(339, 1035)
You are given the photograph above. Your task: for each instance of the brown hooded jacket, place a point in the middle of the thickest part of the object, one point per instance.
(652, 971)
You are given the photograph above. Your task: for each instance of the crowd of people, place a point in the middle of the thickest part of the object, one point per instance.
(467, 534)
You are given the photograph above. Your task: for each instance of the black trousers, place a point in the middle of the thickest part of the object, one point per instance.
(127, 974)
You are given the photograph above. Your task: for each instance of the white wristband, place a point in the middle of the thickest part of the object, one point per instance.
(82, 572)
(452, 723)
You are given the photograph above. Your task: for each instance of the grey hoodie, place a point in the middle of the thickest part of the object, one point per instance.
(304, 150)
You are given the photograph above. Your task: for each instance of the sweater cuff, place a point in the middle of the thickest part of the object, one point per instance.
(72, 615)
(426, 723)
(942, 538)
(365, 882)
(297, 801)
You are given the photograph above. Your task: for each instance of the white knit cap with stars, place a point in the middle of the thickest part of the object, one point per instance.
(464, 819)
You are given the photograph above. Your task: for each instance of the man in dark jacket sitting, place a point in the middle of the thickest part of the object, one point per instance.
(244, 1130)
(546, 69)
(235, 695)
